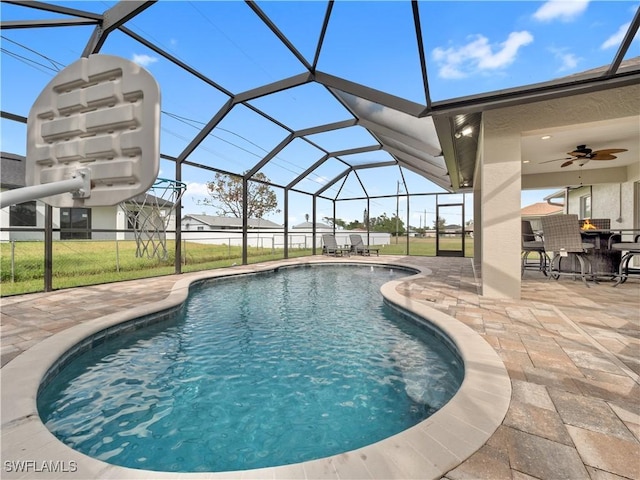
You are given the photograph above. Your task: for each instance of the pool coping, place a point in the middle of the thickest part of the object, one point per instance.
(428, 450)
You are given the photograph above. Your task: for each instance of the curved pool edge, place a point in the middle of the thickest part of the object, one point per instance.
(427, 450)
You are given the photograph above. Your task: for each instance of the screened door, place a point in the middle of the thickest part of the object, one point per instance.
(450, 231)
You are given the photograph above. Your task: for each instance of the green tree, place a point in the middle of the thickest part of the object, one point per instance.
(225, 193)
(354, 224)
(439, 223)
(387, 224)
(337, 221)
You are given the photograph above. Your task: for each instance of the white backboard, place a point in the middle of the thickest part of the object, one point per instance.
(100, 113)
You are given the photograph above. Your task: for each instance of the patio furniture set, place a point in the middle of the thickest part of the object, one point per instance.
(357, 247)
(590, 249)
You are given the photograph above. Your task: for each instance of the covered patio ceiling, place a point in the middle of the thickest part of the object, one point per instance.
(303, 98)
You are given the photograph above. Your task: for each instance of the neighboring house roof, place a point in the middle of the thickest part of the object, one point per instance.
(14, 174)
(13, 170)
(309, 225)
(148, 199)
(540, 209)
(235, 222)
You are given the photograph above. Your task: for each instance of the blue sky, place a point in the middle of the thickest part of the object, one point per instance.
(470, 47)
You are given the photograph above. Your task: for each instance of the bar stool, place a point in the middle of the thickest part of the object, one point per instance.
(530, 244)
(631, 249)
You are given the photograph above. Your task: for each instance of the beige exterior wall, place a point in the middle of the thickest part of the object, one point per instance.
(498, 188)
(500, 208)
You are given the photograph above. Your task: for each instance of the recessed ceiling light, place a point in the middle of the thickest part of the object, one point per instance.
(525, 161)
(545, 137)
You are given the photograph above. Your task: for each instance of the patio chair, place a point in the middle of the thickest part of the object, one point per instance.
(563, 240)
(532, 243)
(630, 249)
(359, 248)
(330, 246)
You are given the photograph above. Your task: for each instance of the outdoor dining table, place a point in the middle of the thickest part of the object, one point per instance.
(604, 260)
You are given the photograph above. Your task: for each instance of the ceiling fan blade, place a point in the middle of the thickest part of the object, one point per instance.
(566, 164)
(601, 156)
(609, 151)
(557, 160)
(578, 153)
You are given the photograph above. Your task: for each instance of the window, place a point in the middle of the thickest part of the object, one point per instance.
(132, 220)
(23, 215)
(75, 223)
(200, 228)
(585, 206)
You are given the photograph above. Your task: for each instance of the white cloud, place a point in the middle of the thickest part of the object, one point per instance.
(563, 10)
(568, 61)
(321, 180)
(195, 188)
(616, 39)
(479, 54)
(143, 60)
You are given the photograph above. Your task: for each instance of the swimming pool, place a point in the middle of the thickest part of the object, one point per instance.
(261, 310)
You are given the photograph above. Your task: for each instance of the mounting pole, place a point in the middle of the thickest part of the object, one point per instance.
(79, 185)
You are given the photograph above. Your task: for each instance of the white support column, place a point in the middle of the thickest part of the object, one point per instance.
(500, 195)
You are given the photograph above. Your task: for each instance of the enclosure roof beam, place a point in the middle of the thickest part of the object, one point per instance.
(62, 22)
(624, 45)
(364, 166)
(364, 189)
(323, 32)
(371, 94)
(276, 31)
(423, 60)
(330, 183)
(175, 60)
(353, 151)
(327, 127)
(269, 156)
(55, 9)
(13, 116)
(206, 130)
(274, 87)
(113, 18)
(304, 174)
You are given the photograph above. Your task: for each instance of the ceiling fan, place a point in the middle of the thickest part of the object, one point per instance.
(582, 154)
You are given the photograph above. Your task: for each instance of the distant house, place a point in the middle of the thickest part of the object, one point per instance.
(202, 223)
(308, 226)
(219, 230)
(73, 223)
(536, 211)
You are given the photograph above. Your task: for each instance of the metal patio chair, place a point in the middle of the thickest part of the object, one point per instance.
(358, 246)
(562, 240)
(330, 246)
(629, 249)
(532, 243)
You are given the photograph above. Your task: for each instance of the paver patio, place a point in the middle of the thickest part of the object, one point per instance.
(572, 354)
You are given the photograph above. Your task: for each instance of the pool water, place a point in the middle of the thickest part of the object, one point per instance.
(260, 370)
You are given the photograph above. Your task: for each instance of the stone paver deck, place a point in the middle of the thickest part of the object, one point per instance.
(572, 354)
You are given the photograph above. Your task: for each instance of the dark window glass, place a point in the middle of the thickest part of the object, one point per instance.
(75, 223)
(23, 215)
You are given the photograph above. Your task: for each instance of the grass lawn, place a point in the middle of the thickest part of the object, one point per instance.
(425, 247)
(88, 262)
